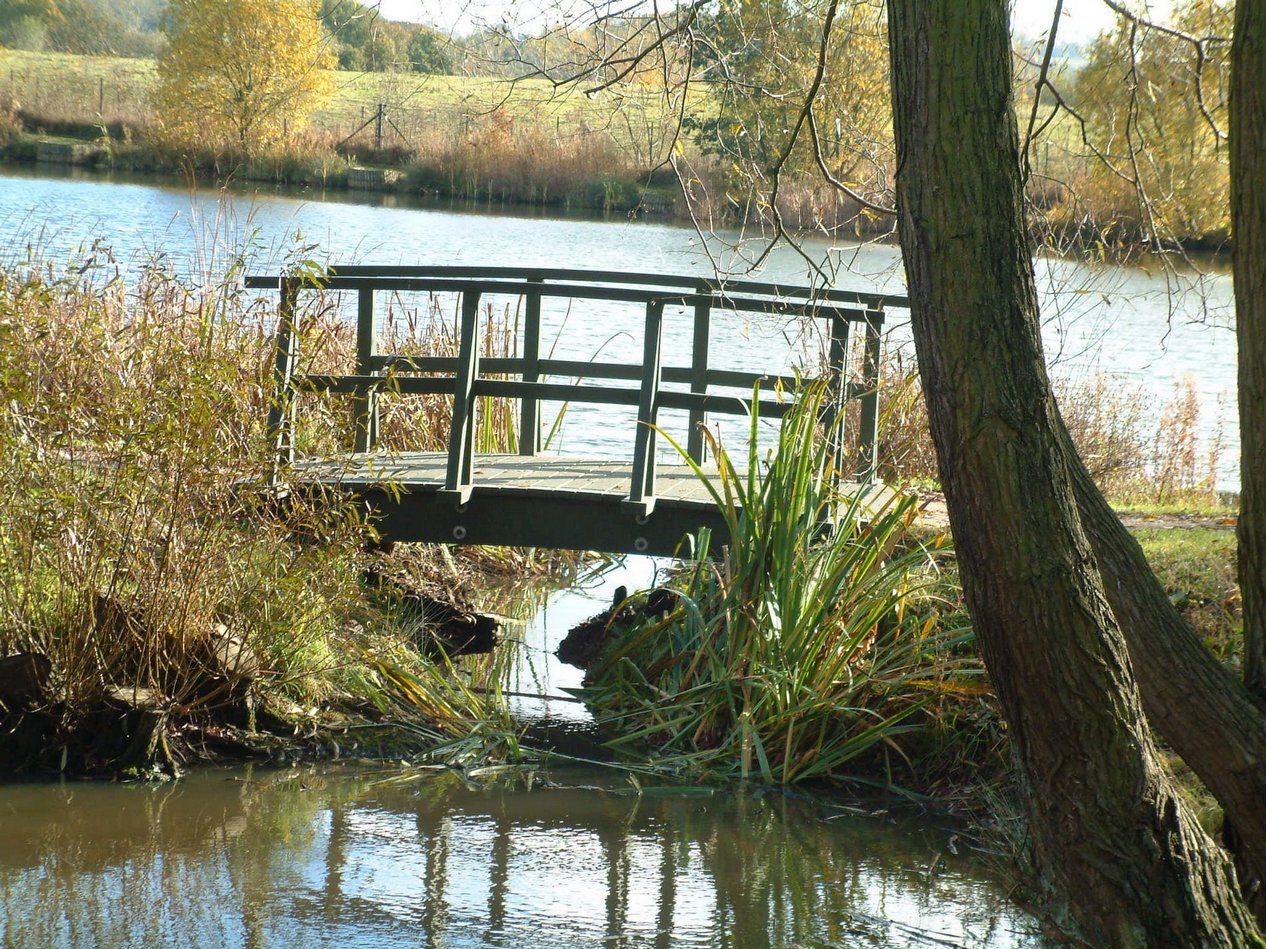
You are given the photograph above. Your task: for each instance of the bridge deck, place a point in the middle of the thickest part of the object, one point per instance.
(540, 501)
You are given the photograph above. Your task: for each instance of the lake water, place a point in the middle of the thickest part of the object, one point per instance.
(1147, 328)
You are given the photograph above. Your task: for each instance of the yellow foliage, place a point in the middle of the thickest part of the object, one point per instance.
(1157, 113)
(239, 72)
(766, 65)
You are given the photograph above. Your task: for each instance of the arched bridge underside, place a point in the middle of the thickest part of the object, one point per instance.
(637, 503)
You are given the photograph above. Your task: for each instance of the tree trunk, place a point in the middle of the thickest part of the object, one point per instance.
(1203, 711)
(1110, 835)
(1248, 231)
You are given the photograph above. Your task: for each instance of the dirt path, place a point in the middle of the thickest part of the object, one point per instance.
(934, 516)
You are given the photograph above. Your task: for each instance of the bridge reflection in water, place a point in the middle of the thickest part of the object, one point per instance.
(334, 857)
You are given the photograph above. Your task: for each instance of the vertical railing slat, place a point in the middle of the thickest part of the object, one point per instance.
(837, 394)
(868, 434)
(642, 492)
(699, 377)
(282, 411)
(365, 404)
(461, 443)
(529, 409)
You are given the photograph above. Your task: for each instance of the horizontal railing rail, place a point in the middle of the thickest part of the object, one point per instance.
(467, 377)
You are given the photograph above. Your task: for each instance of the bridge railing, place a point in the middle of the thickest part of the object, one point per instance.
(466, 377)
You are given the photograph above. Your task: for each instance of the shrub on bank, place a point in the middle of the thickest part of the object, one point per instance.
(149, 598)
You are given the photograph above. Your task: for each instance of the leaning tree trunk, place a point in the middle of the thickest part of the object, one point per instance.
(1248, 231)
(1204, 712)
(1110, 835)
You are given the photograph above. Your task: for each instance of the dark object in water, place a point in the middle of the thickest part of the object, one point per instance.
(447, 628)
(586, 641)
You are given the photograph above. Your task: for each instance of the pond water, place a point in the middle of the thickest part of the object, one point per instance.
(344, 854)
(1146, 327)
(351, 856)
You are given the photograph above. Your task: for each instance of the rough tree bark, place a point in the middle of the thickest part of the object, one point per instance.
(1248, 231)
(1204, 712)
(1110, 835)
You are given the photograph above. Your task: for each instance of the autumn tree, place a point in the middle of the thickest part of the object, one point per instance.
(1154, 110)
(427, 52)
(240, 72)
(760, 59)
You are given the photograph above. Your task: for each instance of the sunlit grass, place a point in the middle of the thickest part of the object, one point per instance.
(70, 87)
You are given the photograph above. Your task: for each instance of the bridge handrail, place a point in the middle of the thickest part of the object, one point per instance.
(376, 373)
(709, 285)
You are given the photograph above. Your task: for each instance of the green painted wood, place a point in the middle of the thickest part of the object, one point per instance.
(868, 437)
(710, 285)
(700, 342)
(529, 410)
(365, 403)
(833, 407)
(461, 442)
(281, 410)
(634, 506)
(642, 491)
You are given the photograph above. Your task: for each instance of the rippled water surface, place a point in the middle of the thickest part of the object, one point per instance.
(342, 856)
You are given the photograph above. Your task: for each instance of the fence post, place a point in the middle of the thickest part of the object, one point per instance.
(837, 392)
(642, 495)
(365, 404)
(282, 410)
(868, 435)
(529, 409)
(699, 375)
(101, 98)
(378, 120)
(458, 482)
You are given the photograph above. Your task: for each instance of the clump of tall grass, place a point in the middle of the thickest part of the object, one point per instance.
(10, 118)
(796, 651)
(135, 560)
(1131, 459)
(528, 165)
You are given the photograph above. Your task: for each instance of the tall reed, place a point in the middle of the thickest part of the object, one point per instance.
(809, 647)
(134, 557)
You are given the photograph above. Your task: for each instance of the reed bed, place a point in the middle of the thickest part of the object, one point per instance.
(1134, 461)
(137, 563)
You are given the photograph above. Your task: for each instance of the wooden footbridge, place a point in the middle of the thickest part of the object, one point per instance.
(629, 504)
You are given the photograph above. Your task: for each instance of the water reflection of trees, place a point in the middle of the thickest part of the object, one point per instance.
(334, 859)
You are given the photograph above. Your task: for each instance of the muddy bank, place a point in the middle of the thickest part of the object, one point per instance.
(154, 721)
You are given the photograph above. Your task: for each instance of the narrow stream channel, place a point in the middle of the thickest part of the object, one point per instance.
(350, 856)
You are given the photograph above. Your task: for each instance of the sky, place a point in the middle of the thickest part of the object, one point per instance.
(1081, 20)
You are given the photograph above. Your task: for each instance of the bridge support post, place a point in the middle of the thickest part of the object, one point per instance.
(642, 494)
(365, 404)
(282, 411)
(699, 376)
(868, 436)
(458, 482)
(837, 394)
(529, 410)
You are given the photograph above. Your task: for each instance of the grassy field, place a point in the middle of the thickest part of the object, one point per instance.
(90, 88)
